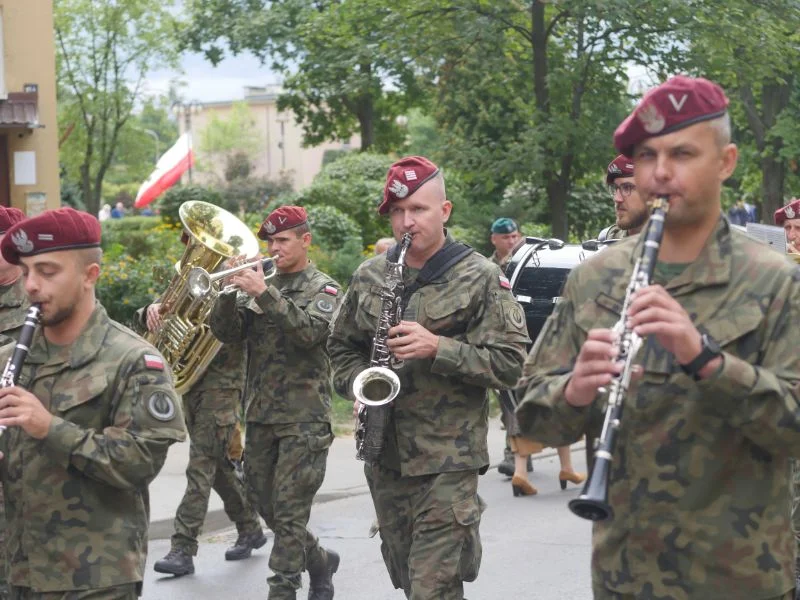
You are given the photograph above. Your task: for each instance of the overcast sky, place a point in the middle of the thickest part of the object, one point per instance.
(206, 83)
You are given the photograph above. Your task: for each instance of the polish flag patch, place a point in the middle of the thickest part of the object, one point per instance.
(504, 283)
(329, 289)
(152, 361)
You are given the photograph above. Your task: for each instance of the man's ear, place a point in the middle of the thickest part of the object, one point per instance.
(307, 237)
(447, 208)
(91, 273)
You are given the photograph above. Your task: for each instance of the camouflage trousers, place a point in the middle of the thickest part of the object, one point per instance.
(604, 594)
(210, 432)
(128, 591)
(429, 530)
(3, 566)
(283, 469)
(796, 506)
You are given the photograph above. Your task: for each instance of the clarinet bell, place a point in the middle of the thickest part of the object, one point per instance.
(593, 504)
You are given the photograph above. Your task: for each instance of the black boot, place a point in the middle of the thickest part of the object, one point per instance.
(320, 571)
(507, 466)
(245, 544)
(176, 562)
(529, 465)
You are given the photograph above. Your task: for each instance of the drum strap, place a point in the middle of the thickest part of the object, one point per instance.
(440, 263)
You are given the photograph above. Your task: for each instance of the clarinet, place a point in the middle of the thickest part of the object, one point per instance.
(11, 372)
(593, 503)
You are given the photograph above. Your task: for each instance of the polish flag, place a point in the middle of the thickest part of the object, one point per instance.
(172, 164)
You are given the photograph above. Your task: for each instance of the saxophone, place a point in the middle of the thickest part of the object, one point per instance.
(375, 387)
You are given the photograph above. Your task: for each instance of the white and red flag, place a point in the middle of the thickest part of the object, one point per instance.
(172, 164)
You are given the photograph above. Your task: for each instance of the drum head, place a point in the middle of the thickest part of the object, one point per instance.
(537, 277)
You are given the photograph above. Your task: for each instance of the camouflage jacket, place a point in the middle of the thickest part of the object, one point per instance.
(700, 480)
(288, 371)
(501, 263)
(13, 308)
(77, 502)
(612, 232)
(440, 418)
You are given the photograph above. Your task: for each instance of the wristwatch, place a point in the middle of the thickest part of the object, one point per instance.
(709, 352)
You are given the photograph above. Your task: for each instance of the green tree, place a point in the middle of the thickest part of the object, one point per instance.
(105, 49)
(342, 73)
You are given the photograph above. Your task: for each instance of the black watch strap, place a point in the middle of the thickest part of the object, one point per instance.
(710, 350)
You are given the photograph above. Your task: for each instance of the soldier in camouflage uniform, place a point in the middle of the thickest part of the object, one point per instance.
(288, 397)
(13, 308)
(460, 335)
(210, 408)
(89, 423)
(699, 481)
(630, 207)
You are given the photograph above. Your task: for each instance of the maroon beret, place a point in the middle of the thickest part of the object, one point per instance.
(281, 219)
(8, 216)
(404, 178)
(677, 103)
(790, 211)
(53, 230)
(622, 166)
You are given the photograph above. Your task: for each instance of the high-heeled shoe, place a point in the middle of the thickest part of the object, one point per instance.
(565, 476)
(522, 487)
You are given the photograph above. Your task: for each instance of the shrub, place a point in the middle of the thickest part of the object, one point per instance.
(332, 228)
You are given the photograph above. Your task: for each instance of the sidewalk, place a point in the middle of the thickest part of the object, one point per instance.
(344, 477)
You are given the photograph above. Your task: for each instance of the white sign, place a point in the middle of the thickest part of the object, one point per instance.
(772, 236)
(25, 168)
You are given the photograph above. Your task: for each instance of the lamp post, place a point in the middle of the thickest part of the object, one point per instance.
(153, 135)
(282, 119)
(187, 109)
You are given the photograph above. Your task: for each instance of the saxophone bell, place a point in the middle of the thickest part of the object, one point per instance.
(376, 386)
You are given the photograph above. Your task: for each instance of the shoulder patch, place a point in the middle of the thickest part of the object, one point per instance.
(160, 406)
(325, 305)
(329, 289)
(153, 361)
(504, 282)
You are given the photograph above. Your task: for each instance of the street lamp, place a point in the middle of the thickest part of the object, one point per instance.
(282, 120)
(187, 109)
(153, 135)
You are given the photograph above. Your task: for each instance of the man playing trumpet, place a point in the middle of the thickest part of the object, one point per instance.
(788, 217)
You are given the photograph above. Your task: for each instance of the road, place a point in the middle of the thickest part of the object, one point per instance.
(533, 548)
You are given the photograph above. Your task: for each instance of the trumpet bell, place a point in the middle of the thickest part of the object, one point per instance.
(376, 386)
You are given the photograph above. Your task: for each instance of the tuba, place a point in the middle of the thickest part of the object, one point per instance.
(184, 338)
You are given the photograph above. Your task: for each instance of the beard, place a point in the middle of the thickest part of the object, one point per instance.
(61, 315)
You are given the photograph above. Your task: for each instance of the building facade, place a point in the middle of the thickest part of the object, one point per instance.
(28, 128)
(280, 151)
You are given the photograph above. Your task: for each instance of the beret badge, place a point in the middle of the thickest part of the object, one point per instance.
(652, 120)
(398, 189)
(790, 214)
(22, 242)
(269, 227)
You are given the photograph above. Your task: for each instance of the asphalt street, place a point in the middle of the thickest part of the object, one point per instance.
(533, 548)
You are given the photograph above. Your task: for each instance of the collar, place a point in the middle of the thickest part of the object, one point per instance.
(85, 347)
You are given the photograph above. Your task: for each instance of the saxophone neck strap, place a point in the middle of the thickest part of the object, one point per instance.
(440, 263)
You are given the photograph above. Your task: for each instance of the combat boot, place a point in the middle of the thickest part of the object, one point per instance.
(245, 544)
(320, 572)
(177, 562)
(506, 467)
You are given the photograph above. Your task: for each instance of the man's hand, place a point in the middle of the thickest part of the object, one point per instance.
(20, 408)
(594, 368)
(654, 312)
(250, 281)
(412, 340)
(153, 317)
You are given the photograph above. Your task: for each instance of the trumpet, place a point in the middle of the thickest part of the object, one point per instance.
(201, 282)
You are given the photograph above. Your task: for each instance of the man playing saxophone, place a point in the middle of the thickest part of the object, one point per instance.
(698, 479)
(288, 397)
(462, 332)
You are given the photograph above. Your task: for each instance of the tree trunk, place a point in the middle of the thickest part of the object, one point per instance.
(366, 110)
(86, 185)
(773, 176)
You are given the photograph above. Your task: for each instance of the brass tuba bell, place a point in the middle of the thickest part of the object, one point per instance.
(184, 338)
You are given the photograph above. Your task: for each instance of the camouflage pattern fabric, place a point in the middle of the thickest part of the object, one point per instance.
(436, 439)
(284, 468)
(429, 530)
(288, 404)
(77, 502)
(615, 233)
(796, 507)
(501, 263)
(211, 423)
(288, 380)
(235, 447)
(604, 594)
(121, 592)
(440, 419)
(13, 308)
(700, 480)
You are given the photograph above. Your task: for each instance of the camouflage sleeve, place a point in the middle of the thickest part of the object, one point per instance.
(349, 349)
(543, 413)
(229, 319)
(491, 352)
(140, 320)
(145, 419)
(306, 326)
(763, 401)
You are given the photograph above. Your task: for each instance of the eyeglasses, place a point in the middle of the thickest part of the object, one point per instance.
(625, 189)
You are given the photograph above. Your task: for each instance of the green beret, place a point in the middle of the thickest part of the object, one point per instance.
(504, 225)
